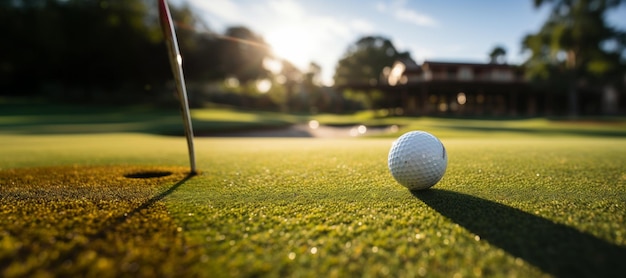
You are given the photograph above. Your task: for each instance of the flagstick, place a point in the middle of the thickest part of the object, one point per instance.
(176, 62)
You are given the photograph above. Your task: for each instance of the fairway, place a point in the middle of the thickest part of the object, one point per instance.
(529, 206)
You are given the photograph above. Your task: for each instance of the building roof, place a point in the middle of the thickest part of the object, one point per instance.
(431, 64)
(413, 67)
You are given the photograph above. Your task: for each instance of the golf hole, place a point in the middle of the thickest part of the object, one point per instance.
(148, 174)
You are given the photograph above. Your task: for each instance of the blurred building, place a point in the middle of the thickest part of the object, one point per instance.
(475, 89)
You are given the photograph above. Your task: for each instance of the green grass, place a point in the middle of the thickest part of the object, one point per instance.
(302, 207)
(91, 221)
(525, 198)
(506, 207)
(42, 118)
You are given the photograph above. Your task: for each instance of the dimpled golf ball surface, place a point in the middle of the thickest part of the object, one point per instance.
(417, 160)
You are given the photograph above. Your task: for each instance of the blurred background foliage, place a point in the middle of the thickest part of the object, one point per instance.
(81, 50)
(576, 49)
(112, 51)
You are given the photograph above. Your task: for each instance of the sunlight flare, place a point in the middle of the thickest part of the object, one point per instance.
(293, 44)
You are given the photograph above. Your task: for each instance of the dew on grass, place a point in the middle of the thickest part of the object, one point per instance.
(422, 271)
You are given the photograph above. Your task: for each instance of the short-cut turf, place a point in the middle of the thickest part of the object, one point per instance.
(90, 220)
(507, 206)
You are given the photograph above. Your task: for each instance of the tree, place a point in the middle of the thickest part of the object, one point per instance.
(312, 85)
(497, 55)
(200, 51)
(242, 52)
(313, 74)
(113, 50)
(364, 61)
(292, 77)
(568, 49)
(53, 47)
(363, 64)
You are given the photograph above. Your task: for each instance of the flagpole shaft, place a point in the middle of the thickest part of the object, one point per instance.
(176, 62)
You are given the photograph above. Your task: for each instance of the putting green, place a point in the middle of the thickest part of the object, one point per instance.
(305, 207)
(88, 220)
(505, 207)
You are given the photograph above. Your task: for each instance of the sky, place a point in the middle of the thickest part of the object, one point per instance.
(320, 31)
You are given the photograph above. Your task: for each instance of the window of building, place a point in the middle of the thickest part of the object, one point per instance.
(465, 73)
(451, 74)
(428, 75)
(501, 75)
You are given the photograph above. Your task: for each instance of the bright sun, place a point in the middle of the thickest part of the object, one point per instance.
(292, 44)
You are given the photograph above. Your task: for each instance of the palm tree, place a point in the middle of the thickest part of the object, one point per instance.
(497, 55)
(568, 46)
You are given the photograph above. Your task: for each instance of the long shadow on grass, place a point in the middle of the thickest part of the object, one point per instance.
(145, 205)
(114, 223)
(554, 248)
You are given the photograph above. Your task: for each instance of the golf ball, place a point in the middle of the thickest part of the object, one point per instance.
(417, 160)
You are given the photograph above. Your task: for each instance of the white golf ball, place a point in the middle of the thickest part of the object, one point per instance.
(417, 160)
